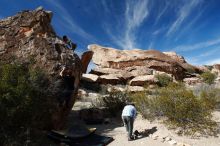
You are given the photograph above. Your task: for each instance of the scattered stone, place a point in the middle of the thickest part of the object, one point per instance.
(162, 139)
(182, 144)
(82, 93)
(167, 139)
(135, 88)
(90, 77)
(115, 88)
(93, 95)
(172, 142)
(192, 81)
(155, 137)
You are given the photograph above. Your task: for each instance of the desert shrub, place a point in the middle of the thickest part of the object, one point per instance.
(180, 107)
(191, 70)
(146, 104)
(25, 103)
(114, 102)
(211, 98)
(208, 77)
(163, 79)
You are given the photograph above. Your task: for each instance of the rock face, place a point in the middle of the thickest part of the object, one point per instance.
(29, 37)
(216, 69)
(143, 80)
(86, 58)
(90, 77)
(174, 56)
(128, 64)
(192, 81)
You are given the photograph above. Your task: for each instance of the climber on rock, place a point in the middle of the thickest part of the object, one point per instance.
(67, 84)
(68, 43)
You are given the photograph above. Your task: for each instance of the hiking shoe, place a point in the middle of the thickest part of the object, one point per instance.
(130, 138)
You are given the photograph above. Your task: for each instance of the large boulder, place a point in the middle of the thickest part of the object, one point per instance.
(216, 69)
(192, 81)
(126, 73)
(143, 80)
(90, 77)
(175, 56)
(112, 58)
(28, 37)
(110, 79)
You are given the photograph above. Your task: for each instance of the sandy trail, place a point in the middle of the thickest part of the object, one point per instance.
(117, 131)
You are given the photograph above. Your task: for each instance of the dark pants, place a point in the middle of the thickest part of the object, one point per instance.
(128, 121)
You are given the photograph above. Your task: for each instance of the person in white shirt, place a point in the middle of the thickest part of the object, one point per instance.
(129, 114)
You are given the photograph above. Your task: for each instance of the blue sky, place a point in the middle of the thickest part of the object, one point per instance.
(189, 27)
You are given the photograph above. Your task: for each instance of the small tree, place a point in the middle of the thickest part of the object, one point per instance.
(208, 77)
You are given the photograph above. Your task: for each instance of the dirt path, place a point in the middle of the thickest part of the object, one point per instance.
(117, 131)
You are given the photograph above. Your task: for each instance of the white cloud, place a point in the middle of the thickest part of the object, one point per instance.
(161, 13)
(151, 45)
(209, 43)
(212, 61)
(209, 53)
(183, 13)
(114, 38)
(201, 59)
(135, 14)
(105, 6)
(69, 22)
(190, 25)
(159, 30)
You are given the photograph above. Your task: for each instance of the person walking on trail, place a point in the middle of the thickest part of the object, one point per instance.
(129, 114)
(68, 43)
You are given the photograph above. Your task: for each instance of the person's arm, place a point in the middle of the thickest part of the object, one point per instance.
(135, 113)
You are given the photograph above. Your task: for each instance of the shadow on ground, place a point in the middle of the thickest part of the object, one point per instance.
(144, 133)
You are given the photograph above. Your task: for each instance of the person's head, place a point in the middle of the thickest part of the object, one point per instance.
(65, 38)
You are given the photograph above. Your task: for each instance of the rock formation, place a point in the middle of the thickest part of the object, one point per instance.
(86, 58)
(29, 37)
(123, 66)
(216, 69)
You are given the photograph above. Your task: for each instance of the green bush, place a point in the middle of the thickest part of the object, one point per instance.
(208, 77)
(163, 79)
(114, 102)
(146, 105)
(211, 98)
(180, 107)
(191, 70)
(25, 103)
